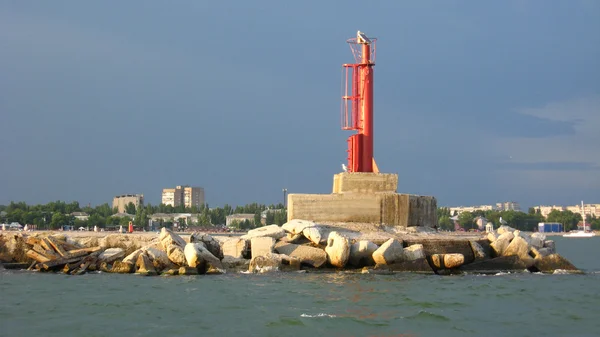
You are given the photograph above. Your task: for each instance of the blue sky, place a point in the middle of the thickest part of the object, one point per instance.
(475, 102)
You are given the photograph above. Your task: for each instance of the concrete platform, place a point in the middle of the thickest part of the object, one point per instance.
(392, 209)
(362, 182)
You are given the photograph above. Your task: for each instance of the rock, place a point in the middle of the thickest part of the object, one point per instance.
(380, 269)
(122, 267)
(158, 257)
(235, 248)
(478, 251)
(235, 264)
(492, 237)
(554, 262)
(171, 272)
(505, 229)
(338, 250)
(519, 247)
(292, 238)
(176, 255)
(414, 252)
(296, 226)
(198, 256)
(143, 266)
(211, 244)
(188, 271)
(261, 246)
(312, 256)
(550, 245)
(437, 245)
(168, 238)
(447, 261)
(273, 231)
(361, 253)
(392, 250)
(453, 260)
(501, 243)
(544, 252)
(267, 263)
(193, 255)
(420, 266)
(314, 234)
(523, 235)
(111, 254)
(495, 265)
(132, 258)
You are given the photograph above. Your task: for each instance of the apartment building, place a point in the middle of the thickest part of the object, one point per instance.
(183, 195)
(120, 201)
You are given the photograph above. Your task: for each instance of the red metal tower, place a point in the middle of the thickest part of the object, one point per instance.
(357, 104)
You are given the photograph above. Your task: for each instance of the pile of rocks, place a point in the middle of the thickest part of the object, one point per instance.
(297, 245)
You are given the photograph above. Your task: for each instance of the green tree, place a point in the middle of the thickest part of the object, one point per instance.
(58, 220)
(130, 208)
(445, 223)
(567, 218)
(465, 219)
(97, 220)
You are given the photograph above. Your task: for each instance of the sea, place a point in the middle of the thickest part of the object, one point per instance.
(308, 304)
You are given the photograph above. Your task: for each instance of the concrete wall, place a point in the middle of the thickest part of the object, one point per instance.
(391, 209)
(363, 182)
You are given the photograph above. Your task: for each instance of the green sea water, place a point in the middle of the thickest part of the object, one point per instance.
(308, 304)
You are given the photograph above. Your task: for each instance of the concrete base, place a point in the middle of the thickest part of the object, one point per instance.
(390, 209)
(362, 182)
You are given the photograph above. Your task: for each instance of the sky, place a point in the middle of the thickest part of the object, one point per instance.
(475, 102)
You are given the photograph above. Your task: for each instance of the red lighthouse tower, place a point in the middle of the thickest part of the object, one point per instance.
(357, 104)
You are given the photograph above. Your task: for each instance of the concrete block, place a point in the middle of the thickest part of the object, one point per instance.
(364, 182)
(387, 208)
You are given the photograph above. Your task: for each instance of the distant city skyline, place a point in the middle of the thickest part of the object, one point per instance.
(474, 103)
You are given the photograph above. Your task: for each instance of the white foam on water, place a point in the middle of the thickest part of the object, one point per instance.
(317, 315)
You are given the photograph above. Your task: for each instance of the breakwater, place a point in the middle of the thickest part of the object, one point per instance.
(296, 246)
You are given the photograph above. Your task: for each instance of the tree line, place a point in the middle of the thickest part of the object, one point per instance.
(519, 220)
(56, 214)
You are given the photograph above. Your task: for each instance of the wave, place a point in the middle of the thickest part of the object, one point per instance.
(318, 315)
(426, 315)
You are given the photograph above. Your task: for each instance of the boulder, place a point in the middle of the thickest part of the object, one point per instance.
(447, 261)
(414, 252)
(211, 244)
(537, 240)
(111, 254)
(159, 258)
(420, 266)
(143, 266)
(437, 245)
(168, 238)
(235, 264)
(554, 262)
(292, 238)
(198, 256)
(122, 267)
(505, 229)
(478, 251)
(492, 237)
(519, 247)
(296, 226)
(550, 245)
(188, 271)
(273, 231)
(312, 256)
(171, 272)
(132, 258)
(361, 253)
(495, 265)
(453, 260)
(501, 243)
(175, 254)
(338, 249)
(314, 234)
(544, 252)
(392, 250)
(261, 245)
(273, 262)
(235, 248)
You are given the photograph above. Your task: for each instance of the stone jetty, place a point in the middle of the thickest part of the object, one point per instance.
(297, 245)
